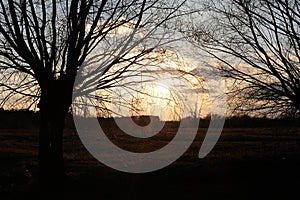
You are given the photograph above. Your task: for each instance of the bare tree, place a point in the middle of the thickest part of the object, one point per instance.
(45, 44)
(255, 43)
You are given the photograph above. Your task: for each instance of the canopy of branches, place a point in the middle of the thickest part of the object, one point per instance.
(256, 44)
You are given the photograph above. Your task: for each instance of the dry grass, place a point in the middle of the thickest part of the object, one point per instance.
(244, 162)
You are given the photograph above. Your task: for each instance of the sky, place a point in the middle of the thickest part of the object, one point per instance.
(170, 92)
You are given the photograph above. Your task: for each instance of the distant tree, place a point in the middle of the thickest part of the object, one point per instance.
(45, 44)
(256, 44)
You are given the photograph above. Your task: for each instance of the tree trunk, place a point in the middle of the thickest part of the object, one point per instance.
(296, 99)
(53, 110)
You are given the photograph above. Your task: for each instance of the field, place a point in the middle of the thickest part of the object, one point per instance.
(246, 163)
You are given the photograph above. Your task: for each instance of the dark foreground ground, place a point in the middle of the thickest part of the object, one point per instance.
(261, 163)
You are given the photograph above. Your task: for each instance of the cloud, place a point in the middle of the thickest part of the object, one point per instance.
(196, 91)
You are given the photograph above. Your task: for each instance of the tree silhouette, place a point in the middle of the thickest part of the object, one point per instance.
(46, 44)
(256, 45)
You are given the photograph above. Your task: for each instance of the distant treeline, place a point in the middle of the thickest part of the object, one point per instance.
(24, 119)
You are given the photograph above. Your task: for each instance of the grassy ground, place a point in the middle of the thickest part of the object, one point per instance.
(245, 164)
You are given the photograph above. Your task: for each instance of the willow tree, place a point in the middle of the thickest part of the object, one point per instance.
(255, 44)
(45, 44)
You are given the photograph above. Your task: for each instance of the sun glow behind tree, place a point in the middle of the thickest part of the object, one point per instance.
(162, 85)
